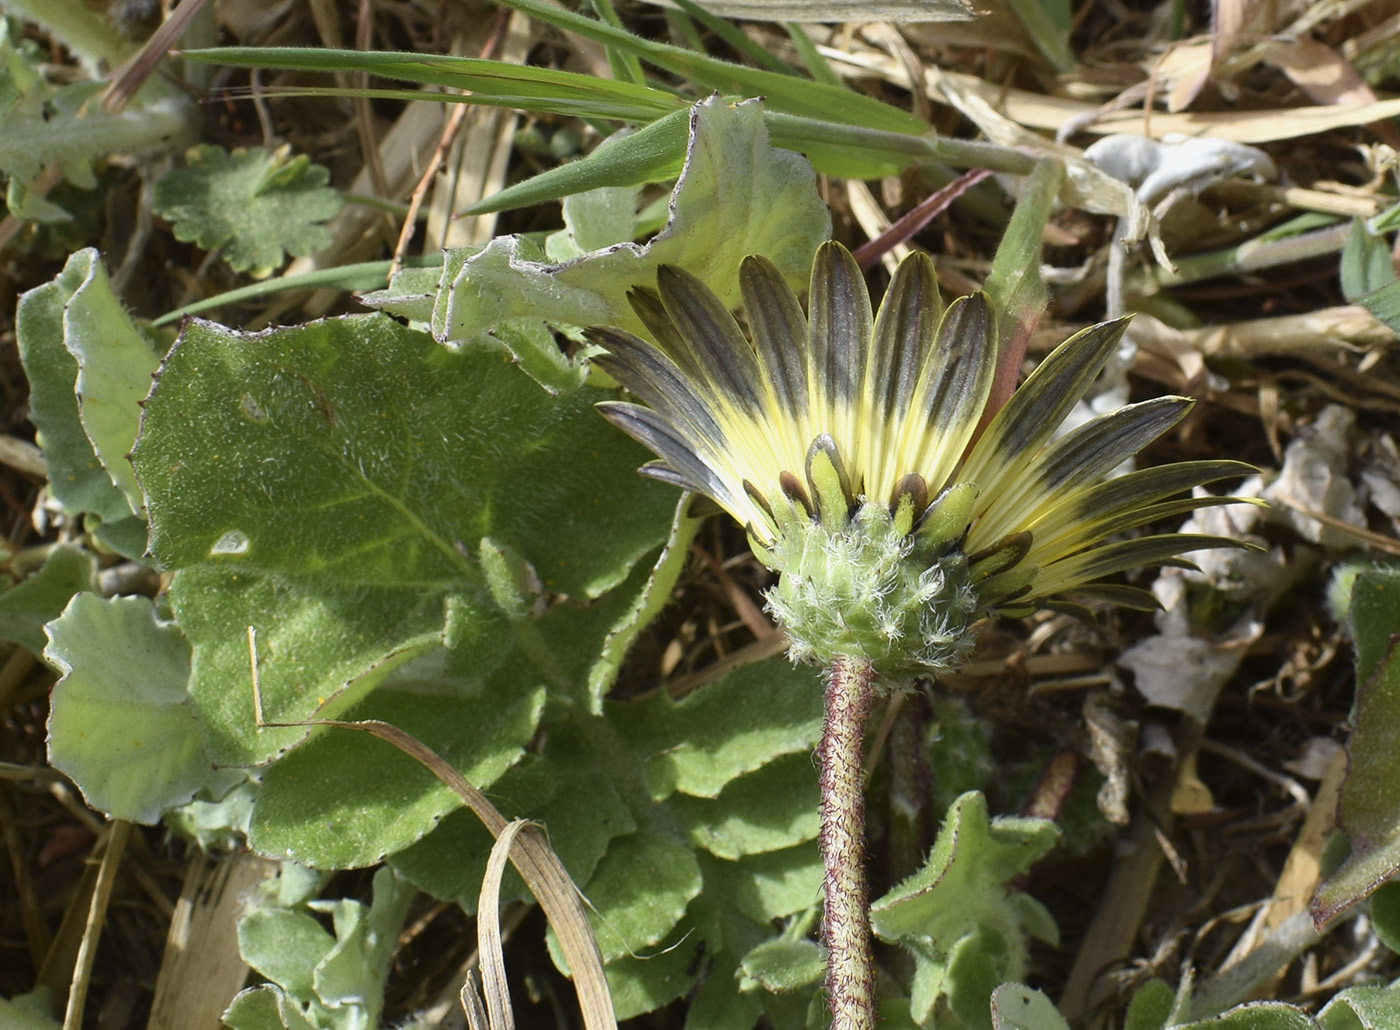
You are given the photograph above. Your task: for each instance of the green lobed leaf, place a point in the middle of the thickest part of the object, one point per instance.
(593, 220)
(216, 825)
(741, 722)
(567, 790)
(736, 196)
(327, 980)
(284, 945)
(77, 478)
(782, 965)
(644, 984)
(346, 799)
(956, 916)
(41, 598)
(356, 970)
(638, 894)
(255, 206)
(772, 808)
(120, 723)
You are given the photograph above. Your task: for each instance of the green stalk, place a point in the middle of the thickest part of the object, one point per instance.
(850, 963)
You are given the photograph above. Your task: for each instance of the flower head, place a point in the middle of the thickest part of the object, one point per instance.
(847, 444)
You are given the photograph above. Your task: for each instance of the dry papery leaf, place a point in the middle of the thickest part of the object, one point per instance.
(1037, 111)
(839, 10)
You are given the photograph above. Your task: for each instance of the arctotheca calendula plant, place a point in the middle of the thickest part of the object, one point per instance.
(846, 442)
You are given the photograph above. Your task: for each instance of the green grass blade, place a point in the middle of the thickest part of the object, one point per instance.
(817, 66)
(780, 92)
(1051, 37)
(539, 89)
(737, 38)
(650, 154)
(625, 67)
(367, 275)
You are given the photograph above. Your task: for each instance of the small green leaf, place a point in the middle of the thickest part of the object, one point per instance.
(1151, 1006)
(567, 790)
(285, 946)
(121, 724)
(28, 1012)
(1385, 914)
(772, 808)
(256, 205)
(41, 598)
(329, 982)
(649, 602)
(1017, 1007)
(115, 365)
(638, 894)
(45, 322)
(593, 220)
(1365, 263)
(1369, 811)
(773, 885)
(1363, 1007)
(965, 930)
(1373, 617)
(266, 1008)
(644, 984)
(354, 974)
(1384, 303)
(782, 965)
(739, 723)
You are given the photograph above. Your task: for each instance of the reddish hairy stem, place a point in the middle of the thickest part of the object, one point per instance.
(850, 965)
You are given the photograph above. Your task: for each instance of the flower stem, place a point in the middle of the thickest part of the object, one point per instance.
(850, 966)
